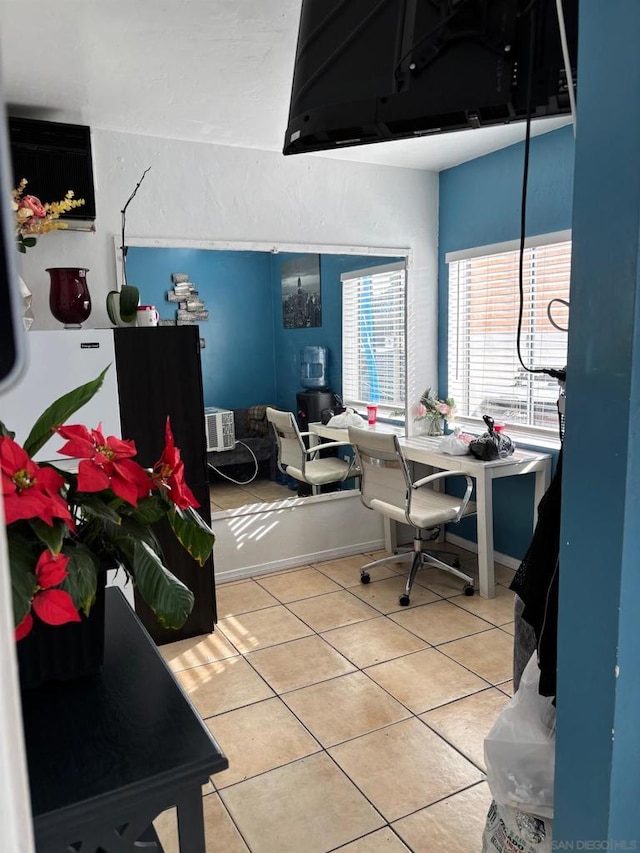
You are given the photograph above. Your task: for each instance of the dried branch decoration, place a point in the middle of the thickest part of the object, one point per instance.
(123, 212)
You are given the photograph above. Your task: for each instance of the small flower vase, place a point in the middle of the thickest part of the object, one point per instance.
(69, 298)
(430, 425)
(436, 425)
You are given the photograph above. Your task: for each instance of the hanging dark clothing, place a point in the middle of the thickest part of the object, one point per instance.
(536, 582)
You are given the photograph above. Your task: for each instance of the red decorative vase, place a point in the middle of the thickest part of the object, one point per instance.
(69, 298)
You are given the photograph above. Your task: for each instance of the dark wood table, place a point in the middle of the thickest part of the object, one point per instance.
(109, 752)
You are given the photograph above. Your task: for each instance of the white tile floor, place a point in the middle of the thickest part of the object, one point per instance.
(349, 722)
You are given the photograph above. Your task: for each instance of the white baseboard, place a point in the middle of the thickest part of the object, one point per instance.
(503, 559)
(243, 572)
(265, 538)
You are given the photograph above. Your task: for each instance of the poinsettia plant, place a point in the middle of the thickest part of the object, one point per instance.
(64, 528)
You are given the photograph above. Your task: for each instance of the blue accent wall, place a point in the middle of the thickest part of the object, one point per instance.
(238, 363)
(289, 342)
(598, 738)
(479, 206)
(249, 357)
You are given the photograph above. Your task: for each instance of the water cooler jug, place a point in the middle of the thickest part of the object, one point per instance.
(313, 368)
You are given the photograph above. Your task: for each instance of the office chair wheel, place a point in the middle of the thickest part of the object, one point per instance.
(469, 590)
(404, 600)
(365, 577)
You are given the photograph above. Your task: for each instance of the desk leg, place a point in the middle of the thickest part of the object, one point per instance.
(543, 479)
(191, 822)
(390, 537)
(484, 500)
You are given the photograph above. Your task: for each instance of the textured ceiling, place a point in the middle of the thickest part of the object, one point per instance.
(214, 71)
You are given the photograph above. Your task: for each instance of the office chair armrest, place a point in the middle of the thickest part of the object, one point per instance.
(327, 445)
(441, 475)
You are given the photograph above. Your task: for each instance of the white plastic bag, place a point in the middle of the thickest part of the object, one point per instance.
(346, 419)
(519, 751)
(509, 829)
(456, 443)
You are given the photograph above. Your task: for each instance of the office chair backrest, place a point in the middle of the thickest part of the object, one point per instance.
(290, 445)
(385, 475)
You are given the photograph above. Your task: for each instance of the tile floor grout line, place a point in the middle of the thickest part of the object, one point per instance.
(411, 714)
(231, 818)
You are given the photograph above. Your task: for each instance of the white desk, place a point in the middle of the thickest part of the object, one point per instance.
(424, 450)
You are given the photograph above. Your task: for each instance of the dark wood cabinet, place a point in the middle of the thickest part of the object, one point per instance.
(159, 375)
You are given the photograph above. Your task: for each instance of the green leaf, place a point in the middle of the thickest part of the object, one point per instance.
(194, 535)
(149, 510)
(5, 432)
(81, 581)
(23, 580)
(22, 248)
(59, 411)
(170, 600)
(135, 530)
(94, 506)
(29, 242)
(52, 536)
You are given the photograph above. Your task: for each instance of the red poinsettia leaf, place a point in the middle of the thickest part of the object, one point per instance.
(12, 456)
(80, 444)
(55, 607)
(91, 477)
(179, 492)
(129, 478)
(50, 480)
(51, 569)
(24, 627)
(123, 449)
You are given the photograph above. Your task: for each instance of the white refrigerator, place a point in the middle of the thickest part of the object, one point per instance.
(58, 362)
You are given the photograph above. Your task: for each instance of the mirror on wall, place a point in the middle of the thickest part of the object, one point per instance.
(258, 311)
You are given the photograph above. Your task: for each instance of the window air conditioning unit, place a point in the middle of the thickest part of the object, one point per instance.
(219, 428)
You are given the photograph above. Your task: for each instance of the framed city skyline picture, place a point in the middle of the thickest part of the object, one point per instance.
(301, 293)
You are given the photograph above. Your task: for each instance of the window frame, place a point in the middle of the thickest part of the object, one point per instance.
(392, 413)
(544, 437)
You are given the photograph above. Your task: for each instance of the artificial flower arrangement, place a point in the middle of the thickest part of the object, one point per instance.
(35, 218)
(64, 528)
(432, 412)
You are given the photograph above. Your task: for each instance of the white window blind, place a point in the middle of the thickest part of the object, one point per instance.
(484, 374)
(373, 337)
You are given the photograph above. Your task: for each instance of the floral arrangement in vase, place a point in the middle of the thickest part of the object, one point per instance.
(64, 528)
(33, 218)
(431, 412)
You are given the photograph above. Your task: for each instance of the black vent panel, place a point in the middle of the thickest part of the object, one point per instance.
(54, 157)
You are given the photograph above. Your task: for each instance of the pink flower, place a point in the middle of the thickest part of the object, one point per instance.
(30, 202)
(420, 410)
(443, 408)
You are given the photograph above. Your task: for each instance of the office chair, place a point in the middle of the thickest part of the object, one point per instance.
(387, 488)
(304, 464)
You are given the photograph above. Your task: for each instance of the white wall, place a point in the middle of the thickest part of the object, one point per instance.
(196, 191)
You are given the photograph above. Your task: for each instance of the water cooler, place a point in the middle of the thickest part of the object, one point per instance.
(314, 377)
